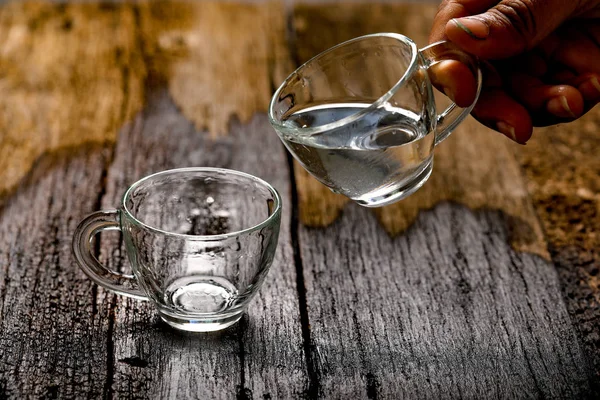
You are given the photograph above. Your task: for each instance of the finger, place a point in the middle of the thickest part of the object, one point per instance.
(575, 53)
(589, 87)
(561, 76)
(578, 51)
(548, 46)
(588, 84)
(499, 111)
(450, 9)
(491, 76)
(509, 28)
(458, 83)
(561, 101)
(593, 30)
(532, 63)
(456, 80)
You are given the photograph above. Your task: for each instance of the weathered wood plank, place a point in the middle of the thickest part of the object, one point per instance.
(219, 59)
(447, 310)
(448, 323)
(175, 39)
(476, 168)
(563, 171)
(53, 331)
(263, 355)
(62, 83)
(65, 91)
(123, 351)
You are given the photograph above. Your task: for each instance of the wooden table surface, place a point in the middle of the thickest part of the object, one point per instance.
(484, 284)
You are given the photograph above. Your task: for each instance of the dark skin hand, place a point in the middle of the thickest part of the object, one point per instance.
(541, 60)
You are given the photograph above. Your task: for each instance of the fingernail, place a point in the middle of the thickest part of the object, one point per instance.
(473, 27)
(507, 130)
(595, 83)
(590, 89)
(559, 106)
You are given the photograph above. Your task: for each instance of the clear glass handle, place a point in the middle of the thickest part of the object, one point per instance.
(449, 119)
(93, 224)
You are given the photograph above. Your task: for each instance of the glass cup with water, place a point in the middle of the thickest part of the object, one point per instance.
(361, 116)
(200, 242)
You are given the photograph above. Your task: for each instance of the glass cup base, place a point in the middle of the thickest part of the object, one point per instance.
(202, 324)
(394, 193)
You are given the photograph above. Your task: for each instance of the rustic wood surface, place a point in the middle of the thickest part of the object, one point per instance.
(264, 354)
(482, 284)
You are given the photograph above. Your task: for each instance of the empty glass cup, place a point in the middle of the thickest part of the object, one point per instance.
(361, 116)
(200, 242)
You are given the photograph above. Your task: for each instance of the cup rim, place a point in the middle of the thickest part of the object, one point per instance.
(275, 214)
(280, 127)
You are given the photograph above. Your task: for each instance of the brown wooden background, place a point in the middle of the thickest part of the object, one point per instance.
(482, 284)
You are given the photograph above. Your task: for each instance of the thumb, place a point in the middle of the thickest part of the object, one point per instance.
(510, 27)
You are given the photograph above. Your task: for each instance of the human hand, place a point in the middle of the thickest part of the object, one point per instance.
(541, 60)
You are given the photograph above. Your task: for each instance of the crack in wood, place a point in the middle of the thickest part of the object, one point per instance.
(313, 370)
(110, 351)
(154, 52)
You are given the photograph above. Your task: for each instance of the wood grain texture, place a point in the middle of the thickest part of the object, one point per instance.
(220, 59)
(122, 350)
(474, 167)
(261, 356)
(62, 83)
(53, 329)
(447, 310)
(438, 307)
(562, 167)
